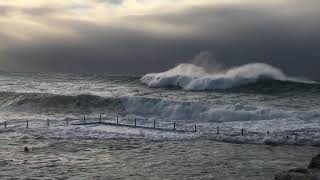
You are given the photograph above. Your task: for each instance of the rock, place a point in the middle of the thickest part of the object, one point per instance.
(295, 174)
(299, 174)
(292, 176)
(300, 170)
(315, 163)
(312, 173)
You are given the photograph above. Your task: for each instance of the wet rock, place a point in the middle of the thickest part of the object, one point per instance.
(300, 170)
(312, 173)
(292, 176)
(299, 174)
(315, 163)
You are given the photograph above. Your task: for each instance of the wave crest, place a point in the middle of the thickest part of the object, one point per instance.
(192, 77)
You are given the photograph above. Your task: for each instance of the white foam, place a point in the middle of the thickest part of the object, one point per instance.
(231, 119)
(166, 109)
(192, 77)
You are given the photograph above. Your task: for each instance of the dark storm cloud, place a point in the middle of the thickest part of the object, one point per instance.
(284, 35)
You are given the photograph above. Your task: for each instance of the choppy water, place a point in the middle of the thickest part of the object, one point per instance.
(74, 158)
(283, 107)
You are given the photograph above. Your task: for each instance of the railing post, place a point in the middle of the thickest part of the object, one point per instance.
(48, 123)
(67, 120)
(117, 120)
(27, 123)
(5, 124)
(242, 132)
(154, 124)
(174, 125)
(135, 122)
(84, 119)
(195, 128)
(218, 130)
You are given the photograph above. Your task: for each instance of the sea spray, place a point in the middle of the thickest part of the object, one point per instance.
(206, 60)
(196, 78)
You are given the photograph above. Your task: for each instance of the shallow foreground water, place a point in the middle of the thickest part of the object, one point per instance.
(81, 158)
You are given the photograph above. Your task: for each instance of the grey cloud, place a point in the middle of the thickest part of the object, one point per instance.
(286, 37)
(32, 11)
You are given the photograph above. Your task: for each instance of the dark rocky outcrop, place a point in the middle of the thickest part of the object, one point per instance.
(315, 163)
(312, 173)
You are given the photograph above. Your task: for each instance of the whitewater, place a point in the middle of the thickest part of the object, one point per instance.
(269, 106)
(193, 77)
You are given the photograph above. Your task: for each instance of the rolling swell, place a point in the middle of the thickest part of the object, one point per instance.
(41, 101)
(271, 86)
(143, 106)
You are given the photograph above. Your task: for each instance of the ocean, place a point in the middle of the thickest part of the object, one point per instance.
(252, 121)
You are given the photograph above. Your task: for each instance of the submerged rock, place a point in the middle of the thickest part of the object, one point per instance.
(299, 174)
(312, 173)
(295, 174)
(315, 163)
(300, 170)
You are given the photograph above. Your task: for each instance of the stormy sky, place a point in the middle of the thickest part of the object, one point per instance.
(142, 36)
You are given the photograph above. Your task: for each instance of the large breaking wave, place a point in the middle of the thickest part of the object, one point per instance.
(193, 77)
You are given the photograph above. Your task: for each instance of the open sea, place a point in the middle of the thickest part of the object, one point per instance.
(267, 122)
